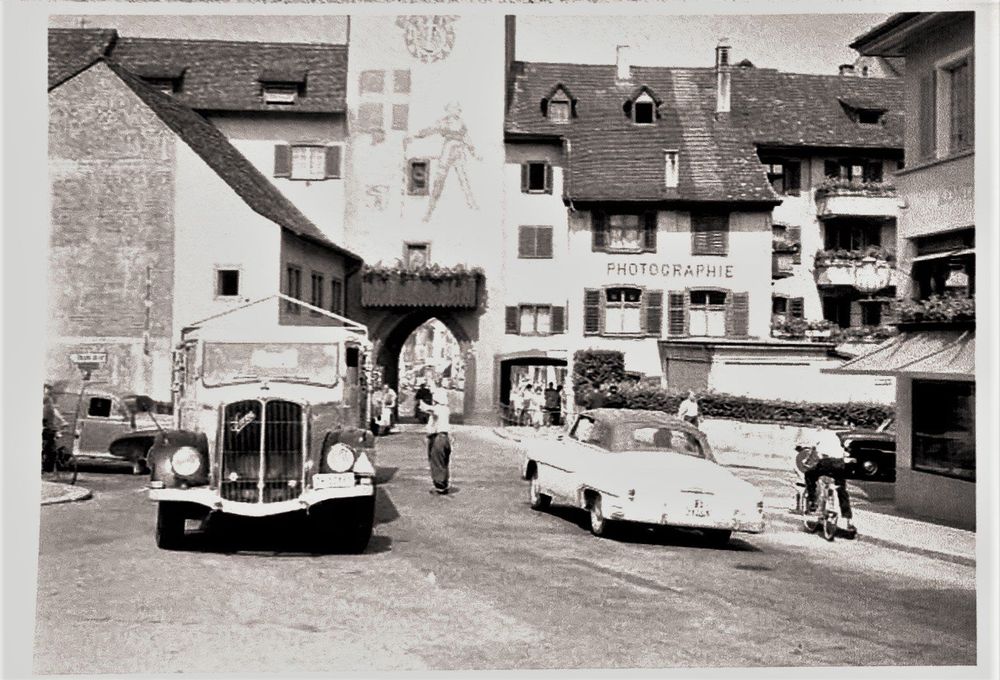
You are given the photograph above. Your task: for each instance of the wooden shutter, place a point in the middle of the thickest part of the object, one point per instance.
(653, 317)
(591, 311)
(709, 234)
(598, 228)
(796, 307)
(282, 160)
(795, 236)
(927, 115)
(738, 315)
(558, 319)
(649, 231)
(793, 177)
(512, 319)
(524, 178)
(548, 178)
(526, 242)
(333, 162)
(543, 242)
(677, 312)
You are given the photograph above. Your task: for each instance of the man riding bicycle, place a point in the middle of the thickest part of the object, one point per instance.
(826, 457)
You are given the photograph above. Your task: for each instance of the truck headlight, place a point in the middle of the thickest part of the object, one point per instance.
(340, 457)
(186, 461)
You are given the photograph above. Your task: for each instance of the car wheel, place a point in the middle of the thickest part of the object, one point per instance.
(599, 524)
(170, 518)
(537, 499)
(718, 537)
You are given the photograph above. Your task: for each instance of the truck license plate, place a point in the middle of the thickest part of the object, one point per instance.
(333, 480)
(698, 508)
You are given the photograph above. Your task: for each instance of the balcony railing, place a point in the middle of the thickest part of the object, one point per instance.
(836, 267)
(433, 286)
(849, 198)
(825, 331)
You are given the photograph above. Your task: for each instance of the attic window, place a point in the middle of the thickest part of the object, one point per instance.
(644, 110)
(282, 85)
(869, 116)
(558, 105)
(280, 93)
(165, 77)
(559, 110)
(164, 85)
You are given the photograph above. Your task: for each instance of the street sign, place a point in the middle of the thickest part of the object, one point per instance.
(89, 357)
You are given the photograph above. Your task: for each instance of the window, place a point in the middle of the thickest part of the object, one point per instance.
(865, 170)
(785, 176)
(871, 312)
(227, 282)
(417, 179)
(99, 407)
(337, 296)
(316, 294)
(851, 236)
(644, 113)
(416, 254)
(536, 177)
(311, 162)
(709, 234)
(624, 233)
(960, 109)
(793, 308)
(944, 428)
(534, 242)
(532, 319)
(708, 313)
(280, 93)
(164, 85)
(671, 160)
(779, 305)
(559, 111)
(293, 287)
(869, 116)
(623, 310)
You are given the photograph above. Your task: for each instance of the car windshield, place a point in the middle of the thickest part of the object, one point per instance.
(232, 362)
(644, 437)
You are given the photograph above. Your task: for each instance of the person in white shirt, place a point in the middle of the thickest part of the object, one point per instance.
(688, 410)
(438, 440)
(516, 403)
(825, 456)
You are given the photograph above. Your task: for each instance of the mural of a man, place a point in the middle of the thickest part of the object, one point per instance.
(456, 150)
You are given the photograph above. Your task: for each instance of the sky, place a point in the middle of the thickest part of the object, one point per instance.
(804, 43)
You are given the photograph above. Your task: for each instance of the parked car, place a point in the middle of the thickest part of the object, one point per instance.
(641, 466)
(874, 450)
(112, 426)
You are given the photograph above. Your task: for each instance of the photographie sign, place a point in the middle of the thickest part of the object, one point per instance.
(670, 270)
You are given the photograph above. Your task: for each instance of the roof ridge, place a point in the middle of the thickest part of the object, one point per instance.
(220, 41)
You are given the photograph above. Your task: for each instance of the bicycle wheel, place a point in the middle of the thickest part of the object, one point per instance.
(830, 525)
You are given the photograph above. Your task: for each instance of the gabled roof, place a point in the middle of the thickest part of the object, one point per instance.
(222, 75)
(609, 158)
(72, 50)
(229, 164)
(612, 159)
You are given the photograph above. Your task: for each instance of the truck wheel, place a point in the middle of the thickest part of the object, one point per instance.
(717, 537)
(358, 526)
(170, 525)
(343, 527)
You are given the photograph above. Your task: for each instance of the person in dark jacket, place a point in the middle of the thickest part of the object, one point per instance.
(551, 405)
(423, 394)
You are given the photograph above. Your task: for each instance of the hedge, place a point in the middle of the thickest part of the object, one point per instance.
(594, 367)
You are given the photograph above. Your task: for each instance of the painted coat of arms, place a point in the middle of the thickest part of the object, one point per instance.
(428, 38)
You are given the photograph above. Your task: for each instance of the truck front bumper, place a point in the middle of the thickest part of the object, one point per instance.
(210, 499)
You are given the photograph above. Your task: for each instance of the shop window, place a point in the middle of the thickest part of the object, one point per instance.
(707, 313)
(944, 433)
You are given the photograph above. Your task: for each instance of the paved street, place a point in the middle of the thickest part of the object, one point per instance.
(479, 581)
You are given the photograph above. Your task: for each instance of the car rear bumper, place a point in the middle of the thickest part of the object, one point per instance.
(749, 523)
(210, 499)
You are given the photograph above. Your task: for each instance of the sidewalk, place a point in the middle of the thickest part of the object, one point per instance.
(53, 493)
(879, 524)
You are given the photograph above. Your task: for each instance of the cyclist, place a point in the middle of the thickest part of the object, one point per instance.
(827, 457)
(52, 423)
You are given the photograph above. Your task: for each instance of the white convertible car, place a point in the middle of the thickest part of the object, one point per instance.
(642, 466)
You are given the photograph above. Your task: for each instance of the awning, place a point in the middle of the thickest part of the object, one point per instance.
(944, 255)
(930, 353)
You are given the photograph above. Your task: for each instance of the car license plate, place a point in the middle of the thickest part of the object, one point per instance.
(698, 508)
(333, 480)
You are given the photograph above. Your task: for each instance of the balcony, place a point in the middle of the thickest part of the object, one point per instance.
(840, 267)
(848, 198)
(430, 286)
(937, 310)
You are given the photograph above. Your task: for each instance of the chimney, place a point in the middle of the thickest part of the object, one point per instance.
(509, 41)
(624, 64)
(723, 77)
(846, 69)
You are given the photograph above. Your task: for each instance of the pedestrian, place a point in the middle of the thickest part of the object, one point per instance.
(596, 398)
(423, 395)
(688, 410)
(561, 416)
(52, 423)
(524, 414)
(438, 440)
(535, 406)
(388, 406)
(514, 406)
(551, 405)
(376, 412)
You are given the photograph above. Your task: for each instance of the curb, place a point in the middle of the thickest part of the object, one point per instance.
(69, 494)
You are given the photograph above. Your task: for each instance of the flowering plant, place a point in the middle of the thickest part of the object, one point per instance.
(854, 187)
(425, 272)
(937, 308)
(878, 252)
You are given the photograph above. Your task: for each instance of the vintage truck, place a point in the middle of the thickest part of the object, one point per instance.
(268, 421)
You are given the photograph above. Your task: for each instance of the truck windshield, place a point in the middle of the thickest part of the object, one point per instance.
(236, 362)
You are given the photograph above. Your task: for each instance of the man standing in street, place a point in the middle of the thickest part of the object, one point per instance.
(438, 440)
(52, 423)
(688, 410)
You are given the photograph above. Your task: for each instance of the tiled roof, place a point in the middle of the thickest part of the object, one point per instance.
(793, 109)
(226, 75)
(212, 146)
(73, 49)
(610, 158)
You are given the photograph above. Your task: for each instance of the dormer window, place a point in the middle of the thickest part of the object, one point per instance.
(559, 106)
(165, 77)
(282, 86)
(643, 107)
(869, 116)
(864, 112)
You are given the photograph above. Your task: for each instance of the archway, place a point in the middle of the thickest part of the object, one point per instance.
(454, 367)
(529, 368)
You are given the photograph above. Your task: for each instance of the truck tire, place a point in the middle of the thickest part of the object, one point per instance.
(358, 526)
(343, 527)
(170, 516)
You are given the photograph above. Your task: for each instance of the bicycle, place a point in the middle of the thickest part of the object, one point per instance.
(58, 464)
(826, 516)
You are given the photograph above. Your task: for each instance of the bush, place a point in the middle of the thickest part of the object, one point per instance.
(749, 409)
(592, 367)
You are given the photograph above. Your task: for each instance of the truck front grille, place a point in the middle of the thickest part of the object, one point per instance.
(261, 451)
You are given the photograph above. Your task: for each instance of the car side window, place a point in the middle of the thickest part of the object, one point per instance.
(99, 407)
(587, 431)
